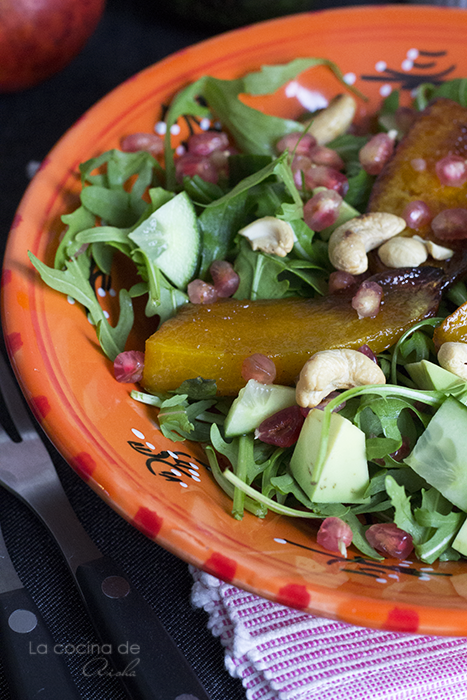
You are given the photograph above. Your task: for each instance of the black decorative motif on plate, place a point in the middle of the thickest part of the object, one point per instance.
(362, 566)
(181, 462)
(427, 72)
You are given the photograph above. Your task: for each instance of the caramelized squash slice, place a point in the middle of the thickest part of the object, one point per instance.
(440, 130)
(213, 340)
(453, 329)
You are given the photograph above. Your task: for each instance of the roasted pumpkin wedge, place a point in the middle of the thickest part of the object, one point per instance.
(440, 130)
(453, 329)
(213, 340)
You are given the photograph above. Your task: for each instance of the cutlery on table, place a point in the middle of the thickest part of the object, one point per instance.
(31, 667)
(121, 616)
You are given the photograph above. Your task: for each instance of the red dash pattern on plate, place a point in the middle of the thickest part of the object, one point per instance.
(40, 406)
(84, 465)
(220, 566)
(148, 522)
(402, 620)
(294, 596)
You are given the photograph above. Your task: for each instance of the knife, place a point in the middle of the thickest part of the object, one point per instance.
(32, 667)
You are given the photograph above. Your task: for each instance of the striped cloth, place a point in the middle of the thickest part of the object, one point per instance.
(285, 654)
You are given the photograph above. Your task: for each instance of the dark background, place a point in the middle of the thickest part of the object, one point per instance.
(131, 35)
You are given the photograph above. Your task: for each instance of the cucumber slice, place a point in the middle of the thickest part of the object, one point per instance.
(170, 238)
(440, 455)
(254, 403)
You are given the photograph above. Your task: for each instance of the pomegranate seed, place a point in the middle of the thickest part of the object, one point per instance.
(128, 366)
(452, 171)
(189, 165)
(450, 224)
(300, 164)
(366, 350)
(298, 143)
(142, 142)
(207, 142)
(323, 176)
(335, 535)
(281, 429)
(375, 154)
(417, 214)
(322, 209)
(388, 539)
(225, 278)
(367, 300)
(322, 155)
(259, 367)
(200, 292)
(339, 280)
(418, 164)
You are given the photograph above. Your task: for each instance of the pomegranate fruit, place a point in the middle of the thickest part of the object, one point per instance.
(40, 37)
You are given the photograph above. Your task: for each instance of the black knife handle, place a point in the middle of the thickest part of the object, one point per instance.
(142, 652)
(33, 667)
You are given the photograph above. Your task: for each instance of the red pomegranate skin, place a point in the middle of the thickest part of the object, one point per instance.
(40, 37)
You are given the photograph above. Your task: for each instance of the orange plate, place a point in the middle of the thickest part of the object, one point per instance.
(164, 488)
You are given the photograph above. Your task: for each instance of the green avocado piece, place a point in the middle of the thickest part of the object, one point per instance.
(254, 403)
(344, 476)
(440, 454)
(431, 377)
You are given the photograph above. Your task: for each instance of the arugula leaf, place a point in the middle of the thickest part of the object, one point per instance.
(197, 388)
(74, 281)
(403, 516)
(219, 225)
(251, 505)
(455, 89)
(258, 274)
(252, 131)
(77, 221)
(173, 419)
(430, 322)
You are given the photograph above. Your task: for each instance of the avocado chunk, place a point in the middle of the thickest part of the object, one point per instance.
(431, 377)
(344, 476)
(440, 454)
(254, 403)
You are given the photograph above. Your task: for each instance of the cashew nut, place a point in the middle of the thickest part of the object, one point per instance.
(350, 242)
(402, 252)
(329, 370)
(271, 235)
(453, 357)
(437, 252)
(334, 120)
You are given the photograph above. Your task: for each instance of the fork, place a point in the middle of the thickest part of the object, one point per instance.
(121, 617)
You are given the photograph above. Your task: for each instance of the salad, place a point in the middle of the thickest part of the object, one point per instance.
(244, 216)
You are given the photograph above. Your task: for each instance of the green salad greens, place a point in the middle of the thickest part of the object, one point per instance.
(128, 204)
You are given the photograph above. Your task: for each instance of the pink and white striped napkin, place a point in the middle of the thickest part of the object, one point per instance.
(284, 654)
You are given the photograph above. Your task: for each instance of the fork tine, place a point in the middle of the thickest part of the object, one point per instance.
(13, 400)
